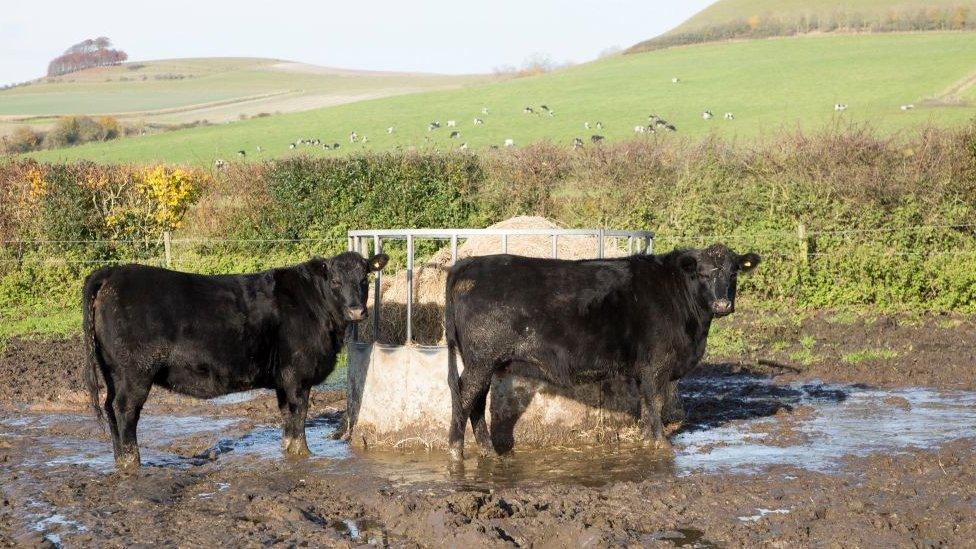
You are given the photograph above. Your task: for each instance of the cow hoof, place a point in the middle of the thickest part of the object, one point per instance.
(457, 454)
(296, 448)
(660, 445)
(127, 462)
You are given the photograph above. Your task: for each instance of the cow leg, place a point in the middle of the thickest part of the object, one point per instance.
(478, 423)
(127, 406)
(293, 404)
(654, 392)
(473, 387)
(113, 425)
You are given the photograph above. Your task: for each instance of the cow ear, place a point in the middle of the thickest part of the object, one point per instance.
(378, 261)
(688, 263)
(748, 262)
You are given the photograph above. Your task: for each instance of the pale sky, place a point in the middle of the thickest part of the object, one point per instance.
(448, 36)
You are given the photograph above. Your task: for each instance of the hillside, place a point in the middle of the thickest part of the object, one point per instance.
(732, 19)
(213, 89)
(769, 85)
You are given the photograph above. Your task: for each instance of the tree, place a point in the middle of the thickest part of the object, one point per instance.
(92, 52)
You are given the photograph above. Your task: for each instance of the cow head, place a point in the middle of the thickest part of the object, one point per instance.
(712, 274)
(348, 277)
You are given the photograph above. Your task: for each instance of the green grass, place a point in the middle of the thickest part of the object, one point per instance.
(805, 355)
(726, 342)
(769, 85)
(38, 323)
(728, 11)
(856, 357)
(216, 89)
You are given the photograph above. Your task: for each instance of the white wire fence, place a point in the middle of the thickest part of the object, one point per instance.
(168, 251)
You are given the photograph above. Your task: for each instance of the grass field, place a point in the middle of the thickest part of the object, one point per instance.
(214, 89)
(769, 85)
(727, 11)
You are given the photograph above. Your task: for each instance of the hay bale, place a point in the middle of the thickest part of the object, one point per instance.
(430, 277)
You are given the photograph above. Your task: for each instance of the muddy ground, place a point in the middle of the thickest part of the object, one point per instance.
(213, 475)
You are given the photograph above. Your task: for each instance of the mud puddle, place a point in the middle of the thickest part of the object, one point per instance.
(735, 425)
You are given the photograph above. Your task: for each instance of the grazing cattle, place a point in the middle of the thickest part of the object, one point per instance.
(509, 142)
(596, 138)
(207, 336)
(455, 134)
(675, 80)
(544, 107)
(291, 145)
(659, 122)
(390, 130)
(260, 150)
(452, 123)
(729, 116)
(586, 125)
(577, 143)
(433, 126)
(353, 137)
(219, 163)
(463, 147)
(840, 107)
(241, 153)
(566, 322)
(326, 146)
(599, 125)
(707, 115)
(335, 146)
(484, 110)
(639, 129)
(365, 139)
(528, 110)
(907, 107)
(478, 121)
(552, 113)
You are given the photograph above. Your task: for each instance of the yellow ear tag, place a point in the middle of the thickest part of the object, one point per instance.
(747, 264)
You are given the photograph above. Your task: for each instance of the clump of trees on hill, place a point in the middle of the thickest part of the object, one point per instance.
(93, 52)
(767, 26)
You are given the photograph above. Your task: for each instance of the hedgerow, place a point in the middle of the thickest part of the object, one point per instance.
(844, 218)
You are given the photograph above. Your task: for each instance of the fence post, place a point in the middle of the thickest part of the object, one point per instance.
(167, 245)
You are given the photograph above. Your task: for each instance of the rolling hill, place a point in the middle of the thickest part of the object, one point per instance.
(769, 85)
(213, 89)
(743, 19)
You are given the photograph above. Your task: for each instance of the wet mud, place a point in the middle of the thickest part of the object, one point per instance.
(765, 457)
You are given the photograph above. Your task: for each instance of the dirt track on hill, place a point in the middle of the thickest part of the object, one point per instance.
(215, 478)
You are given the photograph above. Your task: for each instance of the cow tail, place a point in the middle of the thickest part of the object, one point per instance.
(93, 356)
(450, 333)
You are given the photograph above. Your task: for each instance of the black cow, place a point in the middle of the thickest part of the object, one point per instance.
(568, 322)
(207, 336)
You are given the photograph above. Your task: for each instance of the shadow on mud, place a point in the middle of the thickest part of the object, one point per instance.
(711, 402)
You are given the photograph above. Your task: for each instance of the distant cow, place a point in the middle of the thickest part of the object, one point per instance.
(675, 80)
(433, 126)
(840, 107)
(567, 322)
(577, 143)
(207, 336)
(509, 142)
(353, 137)
(452, 123)
(478, 121)
(907, 107)
(729, 116)
(639, 129)
(528, 110)
(455, 134)
(596, 138)
(707, 115)
(390, 130)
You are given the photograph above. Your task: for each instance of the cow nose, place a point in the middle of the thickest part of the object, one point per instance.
(356, 313)
(722, 306)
